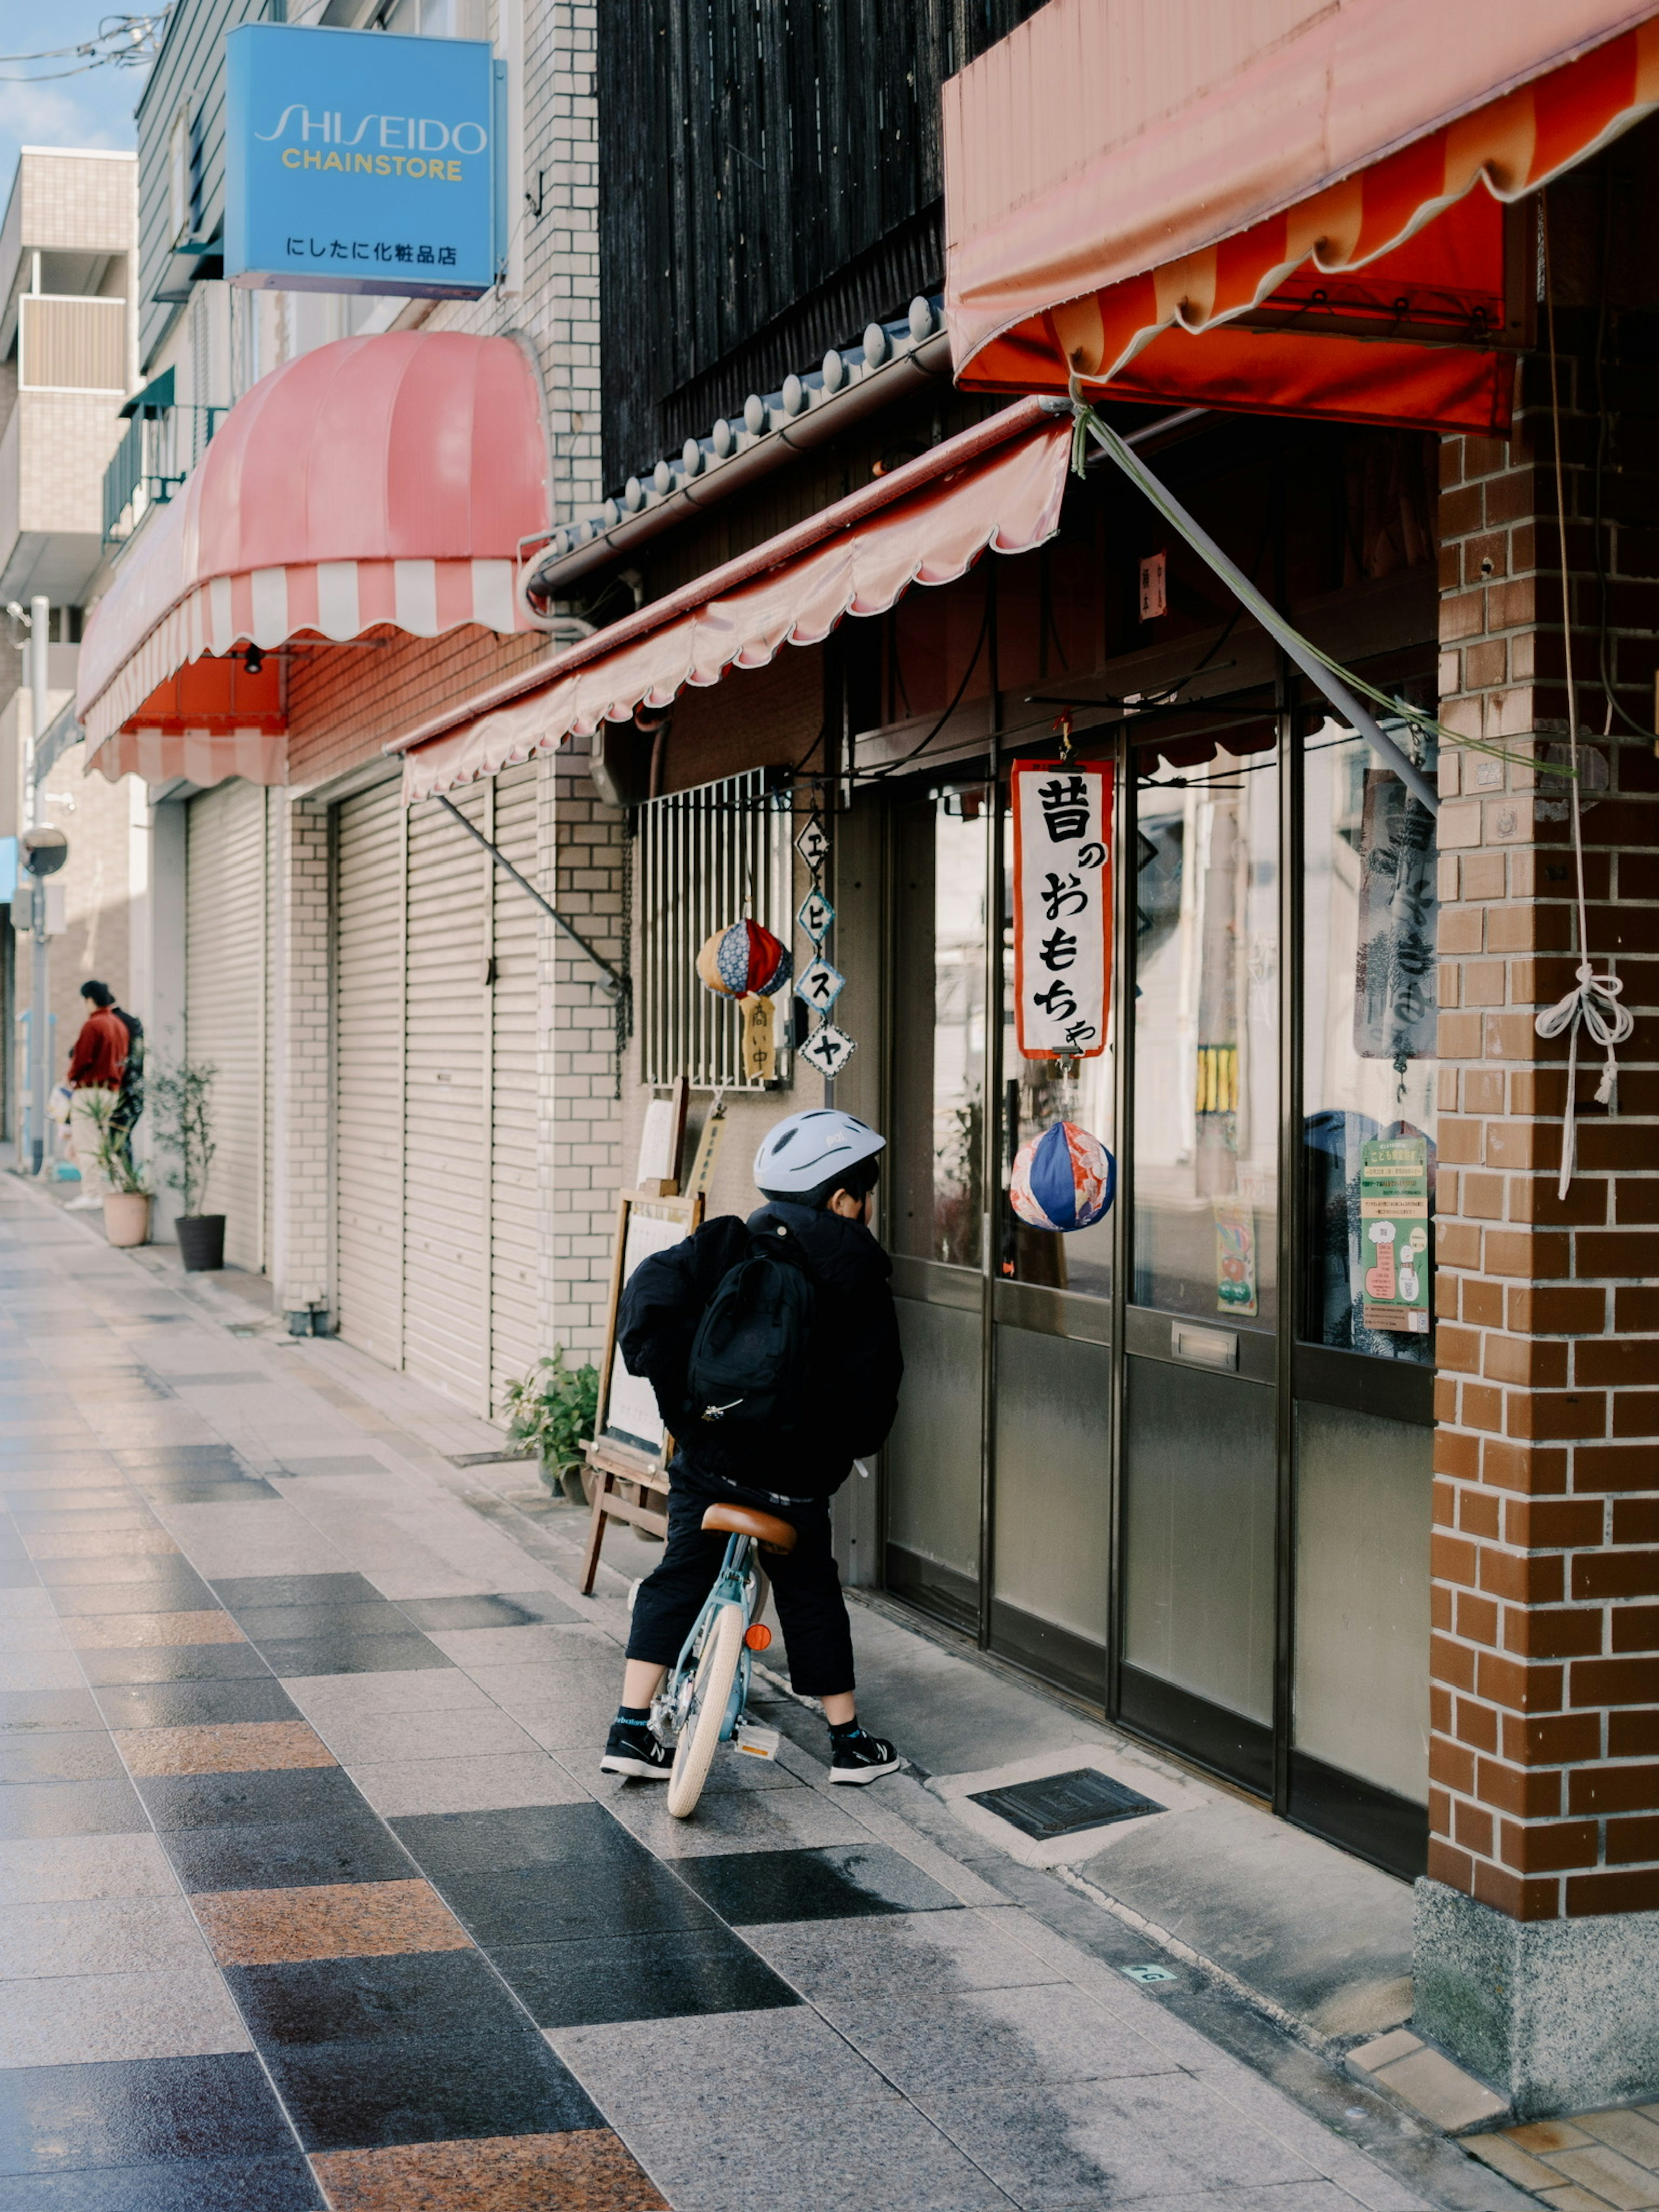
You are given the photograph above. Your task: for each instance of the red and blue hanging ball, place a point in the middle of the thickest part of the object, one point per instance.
(1065, 1179)
(744, 962)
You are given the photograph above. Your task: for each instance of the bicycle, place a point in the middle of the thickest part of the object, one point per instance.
(703, 1702)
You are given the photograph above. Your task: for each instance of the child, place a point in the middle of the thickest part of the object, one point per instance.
(816, 1172)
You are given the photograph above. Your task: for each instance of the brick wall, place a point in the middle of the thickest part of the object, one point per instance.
(580, 861)
(1544, 1759)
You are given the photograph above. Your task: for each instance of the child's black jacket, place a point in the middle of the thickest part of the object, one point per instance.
(856, 1363)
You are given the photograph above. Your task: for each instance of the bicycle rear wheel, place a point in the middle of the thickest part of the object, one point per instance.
(711, 1694)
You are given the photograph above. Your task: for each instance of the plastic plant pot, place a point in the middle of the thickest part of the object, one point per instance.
(201, 1242)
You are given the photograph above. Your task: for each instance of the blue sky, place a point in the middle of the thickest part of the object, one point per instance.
(94, 109)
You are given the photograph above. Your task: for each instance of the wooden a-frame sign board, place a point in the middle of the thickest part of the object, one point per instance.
(628, 1453)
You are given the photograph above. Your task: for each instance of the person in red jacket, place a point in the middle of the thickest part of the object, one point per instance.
(96, 1063)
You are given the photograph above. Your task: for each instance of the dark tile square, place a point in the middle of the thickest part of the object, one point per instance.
(287, 1854)
(448, 1613)
(195, 2185)
(194, 1704)
(844, 1882)
(353, 1655)
(410, 2088)
(176, 1662)
(75, 1755)
(70, 1809)
(304, 1624)
(239, 1593)
(526, 1836)
(354, 2000)
(179, 1590)
(240, 1492)
(658, 1977)
(29, 1712)
(559, 1904)
(217, 1800)
(56, 2119)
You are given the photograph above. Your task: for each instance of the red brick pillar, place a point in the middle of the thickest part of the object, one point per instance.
(1538, 1938)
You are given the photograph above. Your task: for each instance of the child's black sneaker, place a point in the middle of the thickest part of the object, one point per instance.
(858, 1757)
(630, 1749)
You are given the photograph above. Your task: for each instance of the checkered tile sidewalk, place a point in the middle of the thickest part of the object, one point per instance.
(310, 1892)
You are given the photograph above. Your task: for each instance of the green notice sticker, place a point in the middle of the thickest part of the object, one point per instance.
(1393, 1228)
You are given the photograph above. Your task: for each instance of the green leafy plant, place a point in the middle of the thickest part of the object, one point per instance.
(552, 1409)
(179, 1103)
(112, 1145)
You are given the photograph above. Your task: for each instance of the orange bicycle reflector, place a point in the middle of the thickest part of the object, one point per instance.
(758, 1637)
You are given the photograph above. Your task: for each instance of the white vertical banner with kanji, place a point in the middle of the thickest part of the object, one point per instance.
(1062, 816)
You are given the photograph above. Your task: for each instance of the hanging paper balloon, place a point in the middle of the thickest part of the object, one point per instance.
(743, 961)
(1065, 1179)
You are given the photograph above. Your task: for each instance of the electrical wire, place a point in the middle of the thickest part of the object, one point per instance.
(878, 774)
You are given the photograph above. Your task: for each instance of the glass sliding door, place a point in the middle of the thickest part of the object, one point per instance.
(935, 1211)
(1051, 1423)
(1363, 1445)
(1199, 1451)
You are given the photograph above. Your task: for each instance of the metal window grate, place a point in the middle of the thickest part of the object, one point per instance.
(707, 857)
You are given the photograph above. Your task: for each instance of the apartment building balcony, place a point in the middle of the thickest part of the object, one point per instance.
(68, 379)
(162, 443)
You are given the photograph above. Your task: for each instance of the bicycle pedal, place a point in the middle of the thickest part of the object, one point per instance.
(759, 1742)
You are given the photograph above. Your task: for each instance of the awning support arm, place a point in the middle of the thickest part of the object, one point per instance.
(614, 983)
(1292, 643)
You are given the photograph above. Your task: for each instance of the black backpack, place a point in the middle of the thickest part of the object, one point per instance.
(749, 1363)
(129, 1099)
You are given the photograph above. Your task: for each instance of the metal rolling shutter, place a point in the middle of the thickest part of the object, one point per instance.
(225, 1000)
(447, 1049)
(368, 1058)
(516, 925)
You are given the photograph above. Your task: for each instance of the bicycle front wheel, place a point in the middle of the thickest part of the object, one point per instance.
(711, 1694)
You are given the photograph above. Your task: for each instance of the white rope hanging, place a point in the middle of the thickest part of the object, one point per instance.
(1592, 1004)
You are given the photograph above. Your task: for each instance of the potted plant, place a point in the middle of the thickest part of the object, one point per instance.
(552, 1410)
(126, 1195)
(180, 1100)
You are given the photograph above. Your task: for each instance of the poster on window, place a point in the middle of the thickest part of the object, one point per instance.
(1062, 816)
(1394, 1002)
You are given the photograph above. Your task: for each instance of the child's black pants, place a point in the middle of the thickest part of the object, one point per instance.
(804, 1583)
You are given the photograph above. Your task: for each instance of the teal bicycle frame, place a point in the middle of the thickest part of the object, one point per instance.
(741, 1582)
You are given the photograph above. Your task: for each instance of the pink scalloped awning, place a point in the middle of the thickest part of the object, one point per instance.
(390, 479)
(997, 486)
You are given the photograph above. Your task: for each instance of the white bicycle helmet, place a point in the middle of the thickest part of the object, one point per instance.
(804, 1151)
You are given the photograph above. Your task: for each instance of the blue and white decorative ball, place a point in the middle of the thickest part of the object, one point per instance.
(744, 962)
(1065, 1179)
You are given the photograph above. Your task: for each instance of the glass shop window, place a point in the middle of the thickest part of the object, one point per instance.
(938, 1053)
(1369, 1070)
(1206, 1039)
(1035, 1094)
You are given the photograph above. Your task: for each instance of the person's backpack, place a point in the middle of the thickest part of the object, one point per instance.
(130, 1098)
(749, 1363)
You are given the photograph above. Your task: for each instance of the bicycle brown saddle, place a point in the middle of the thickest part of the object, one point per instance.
(768, 1531)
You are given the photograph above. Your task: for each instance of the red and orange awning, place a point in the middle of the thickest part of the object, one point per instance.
(1317, 189)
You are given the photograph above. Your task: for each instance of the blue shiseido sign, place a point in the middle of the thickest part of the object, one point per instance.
(360, 162)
